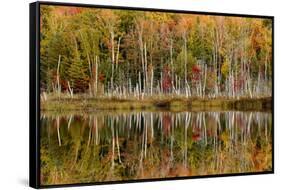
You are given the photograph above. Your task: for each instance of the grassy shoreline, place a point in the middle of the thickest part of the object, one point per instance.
(166, 103)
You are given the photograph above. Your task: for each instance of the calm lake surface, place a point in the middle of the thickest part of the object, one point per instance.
(112, 146)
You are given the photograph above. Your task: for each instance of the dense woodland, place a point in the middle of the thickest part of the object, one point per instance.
(137, 54)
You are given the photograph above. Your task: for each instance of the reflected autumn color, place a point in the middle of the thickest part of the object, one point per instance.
(102, 146)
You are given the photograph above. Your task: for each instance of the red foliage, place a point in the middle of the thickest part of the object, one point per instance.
(167, 121)
(196, 137)
(64, 85)
(74, 10)
(68, 10)
(101, 77)
(167, 80)
(196, 72)
(196, 69)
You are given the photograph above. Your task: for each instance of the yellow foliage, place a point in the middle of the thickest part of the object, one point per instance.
(225, 68)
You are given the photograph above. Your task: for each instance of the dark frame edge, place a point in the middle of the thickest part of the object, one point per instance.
(34, 96)
(34, 154)
(273, 95)
(269, 172)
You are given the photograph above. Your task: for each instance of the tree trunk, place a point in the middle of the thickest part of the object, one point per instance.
(112, 57)
(58, 77)
(96, 77)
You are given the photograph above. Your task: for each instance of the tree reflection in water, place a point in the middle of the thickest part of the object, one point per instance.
(101, 146)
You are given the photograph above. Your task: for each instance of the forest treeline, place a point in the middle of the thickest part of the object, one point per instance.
(126, 53)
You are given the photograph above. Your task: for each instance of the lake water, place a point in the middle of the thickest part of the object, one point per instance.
(113, 146)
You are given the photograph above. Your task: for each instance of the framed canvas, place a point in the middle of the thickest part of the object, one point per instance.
(120, 94)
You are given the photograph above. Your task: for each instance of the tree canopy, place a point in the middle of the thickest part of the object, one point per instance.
(104, 51)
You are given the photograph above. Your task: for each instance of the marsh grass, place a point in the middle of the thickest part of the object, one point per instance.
(85, 103)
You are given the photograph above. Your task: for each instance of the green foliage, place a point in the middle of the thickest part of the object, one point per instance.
(180, 63)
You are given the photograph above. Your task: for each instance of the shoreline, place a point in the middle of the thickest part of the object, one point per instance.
(153, 104)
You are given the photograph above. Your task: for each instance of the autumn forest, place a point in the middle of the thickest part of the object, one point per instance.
(127, 54)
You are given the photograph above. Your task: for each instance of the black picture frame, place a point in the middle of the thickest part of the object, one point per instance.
(34, 92)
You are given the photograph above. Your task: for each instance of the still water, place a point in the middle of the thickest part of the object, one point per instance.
(105, 146)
